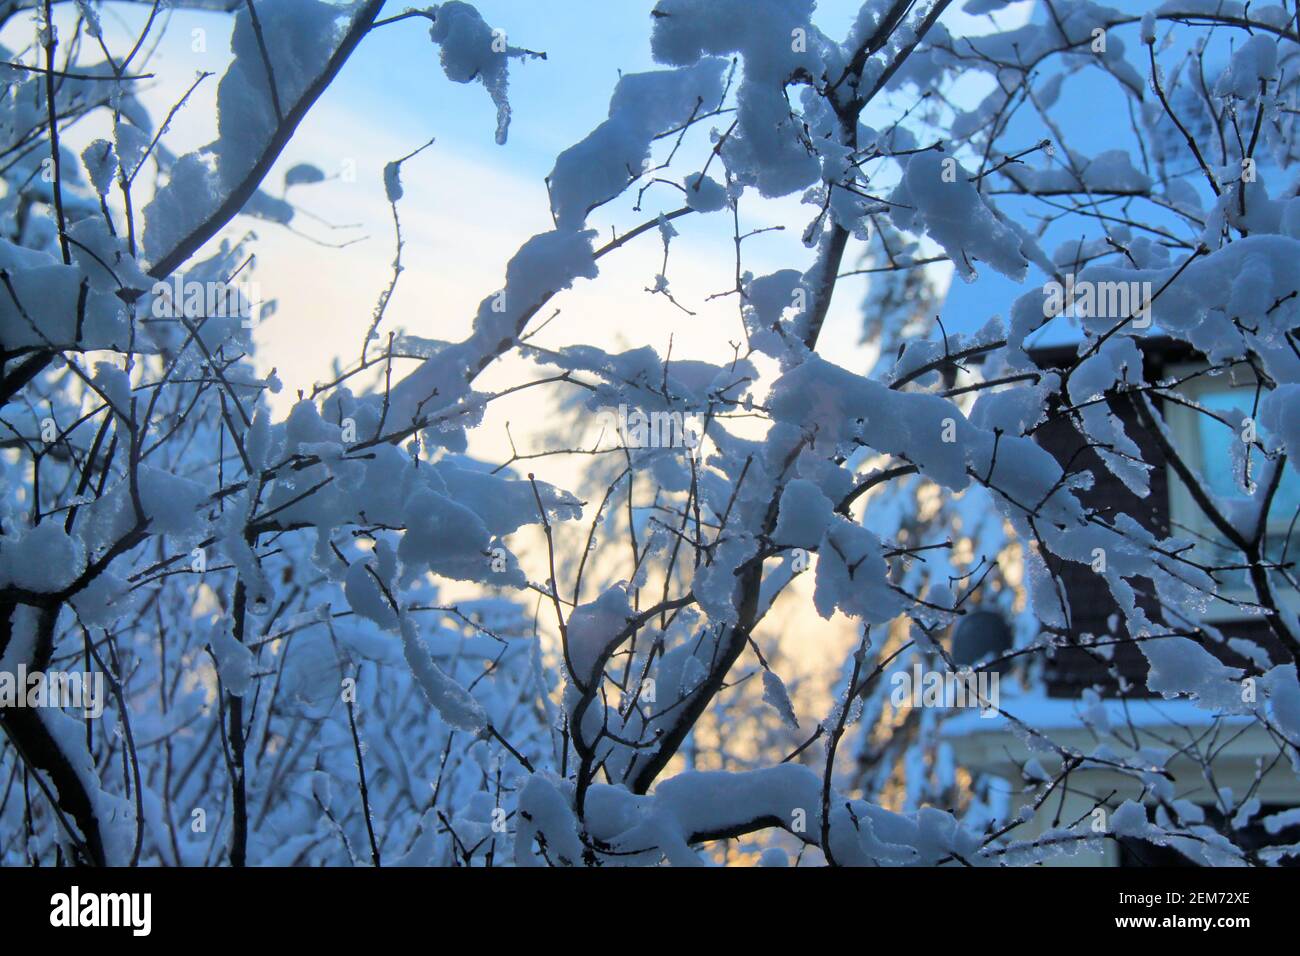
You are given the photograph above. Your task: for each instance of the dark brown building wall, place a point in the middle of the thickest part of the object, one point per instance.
(1091, 604)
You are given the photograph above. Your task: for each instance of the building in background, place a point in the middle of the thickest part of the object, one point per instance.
(1086, 698)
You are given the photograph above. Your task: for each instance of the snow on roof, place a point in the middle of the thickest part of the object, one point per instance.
(1044, 713)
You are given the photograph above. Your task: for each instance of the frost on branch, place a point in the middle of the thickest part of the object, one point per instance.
(472, 50)
(260, 90)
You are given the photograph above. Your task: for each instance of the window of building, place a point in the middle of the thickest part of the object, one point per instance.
(1212, 445)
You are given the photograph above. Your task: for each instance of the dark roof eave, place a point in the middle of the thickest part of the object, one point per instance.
(1157, 350)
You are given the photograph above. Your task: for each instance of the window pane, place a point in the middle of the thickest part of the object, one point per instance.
(1216, 446)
